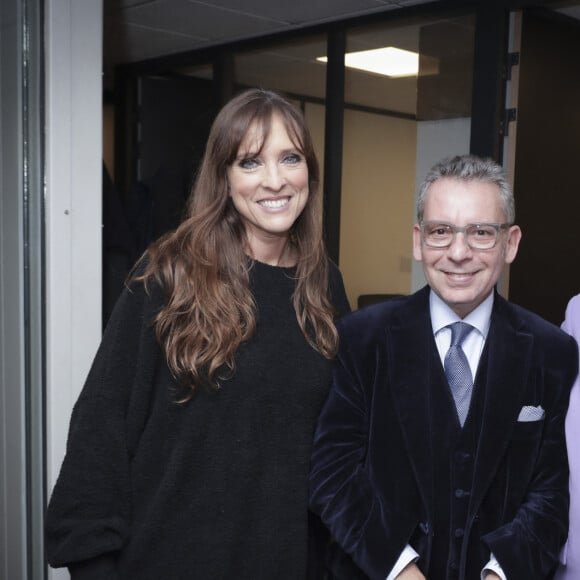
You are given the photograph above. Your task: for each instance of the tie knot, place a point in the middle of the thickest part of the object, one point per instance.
(459, 331)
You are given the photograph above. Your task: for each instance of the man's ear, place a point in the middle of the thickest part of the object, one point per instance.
(512, 244)
(417, 244)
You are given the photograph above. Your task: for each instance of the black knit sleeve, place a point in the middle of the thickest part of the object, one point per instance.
(99, 568)
(88, 514)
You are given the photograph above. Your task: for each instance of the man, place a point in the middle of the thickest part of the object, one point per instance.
(422, 476)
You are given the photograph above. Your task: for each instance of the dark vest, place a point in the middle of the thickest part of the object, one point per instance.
(454, 452)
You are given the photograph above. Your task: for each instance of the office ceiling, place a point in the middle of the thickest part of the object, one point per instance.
(137, 30)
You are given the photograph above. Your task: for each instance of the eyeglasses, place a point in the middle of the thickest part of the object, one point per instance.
(477, 236)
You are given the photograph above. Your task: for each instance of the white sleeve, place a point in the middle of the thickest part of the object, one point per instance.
(493, 566)
(407, 556)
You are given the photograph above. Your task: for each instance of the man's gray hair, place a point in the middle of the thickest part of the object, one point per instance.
(469, 168)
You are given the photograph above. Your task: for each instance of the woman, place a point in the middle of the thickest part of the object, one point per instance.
(189, 445)
(570, 568)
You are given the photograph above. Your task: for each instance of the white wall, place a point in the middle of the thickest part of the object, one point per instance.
(73, 209)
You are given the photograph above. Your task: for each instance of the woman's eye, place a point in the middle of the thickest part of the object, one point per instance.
(292, 158)
(249, 163)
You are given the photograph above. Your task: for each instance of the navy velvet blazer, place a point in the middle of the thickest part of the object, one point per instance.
(372, 476)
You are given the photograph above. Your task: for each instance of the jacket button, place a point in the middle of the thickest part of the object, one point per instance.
(462, 457)
(459, 533)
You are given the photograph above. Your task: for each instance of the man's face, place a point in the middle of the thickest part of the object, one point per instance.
(461, 276)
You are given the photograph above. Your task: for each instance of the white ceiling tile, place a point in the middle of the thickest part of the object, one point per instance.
(141, 43)
(138, 29)
(128, 3)
(197, 20)
(299, 12)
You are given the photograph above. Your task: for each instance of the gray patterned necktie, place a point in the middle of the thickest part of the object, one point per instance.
(457, 369)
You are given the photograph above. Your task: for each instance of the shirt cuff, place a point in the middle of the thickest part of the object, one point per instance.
(564, 554)
(493, 566)
(407, 556)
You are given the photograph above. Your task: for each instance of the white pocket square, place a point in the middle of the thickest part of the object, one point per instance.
(531, 413)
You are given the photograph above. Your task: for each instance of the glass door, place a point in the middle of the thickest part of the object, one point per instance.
(398, 122)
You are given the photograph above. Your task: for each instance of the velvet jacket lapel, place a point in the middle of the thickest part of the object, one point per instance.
(410, 341)
(509, 362)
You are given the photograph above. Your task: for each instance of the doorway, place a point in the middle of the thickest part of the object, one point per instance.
(546, 272)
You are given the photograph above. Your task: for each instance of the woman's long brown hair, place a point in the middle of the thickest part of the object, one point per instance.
(202, 265)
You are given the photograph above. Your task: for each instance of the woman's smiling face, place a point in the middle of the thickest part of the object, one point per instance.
(268, 183)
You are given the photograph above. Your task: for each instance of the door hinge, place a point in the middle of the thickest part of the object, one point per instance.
(509, 116)
(513, 59)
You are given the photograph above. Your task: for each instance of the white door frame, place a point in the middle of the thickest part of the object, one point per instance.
(74, 36)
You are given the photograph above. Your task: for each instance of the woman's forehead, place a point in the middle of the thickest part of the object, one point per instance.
(260, 129)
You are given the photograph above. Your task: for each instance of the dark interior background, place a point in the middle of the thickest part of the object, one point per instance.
(546, 272)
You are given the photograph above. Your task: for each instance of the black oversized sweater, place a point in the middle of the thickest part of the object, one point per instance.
(212, 489)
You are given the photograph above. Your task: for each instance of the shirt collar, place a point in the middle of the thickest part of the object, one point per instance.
(442, 315)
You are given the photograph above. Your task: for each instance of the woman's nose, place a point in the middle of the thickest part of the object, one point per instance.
(273, 176)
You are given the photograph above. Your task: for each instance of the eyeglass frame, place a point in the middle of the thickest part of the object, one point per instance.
(463, 229)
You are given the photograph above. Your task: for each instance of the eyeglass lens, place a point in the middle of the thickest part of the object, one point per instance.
(479, 236)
